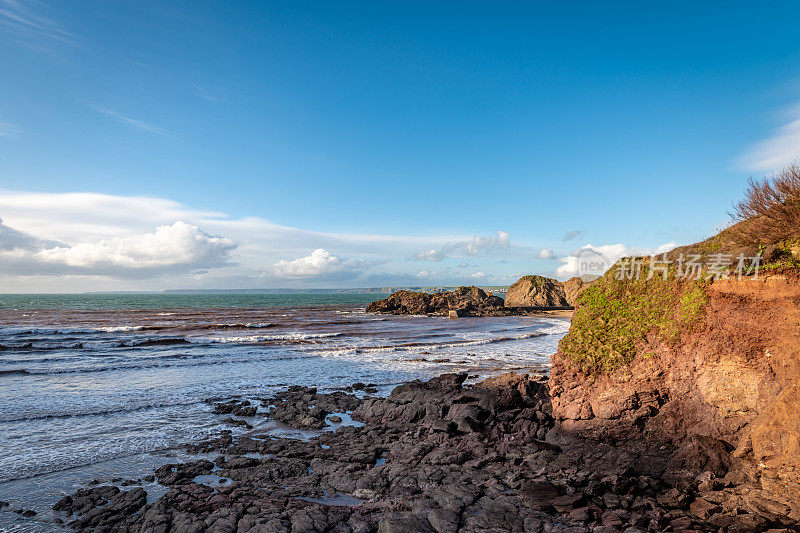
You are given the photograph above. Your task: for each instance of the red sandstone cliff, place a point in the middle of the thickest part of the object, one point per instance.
(726, 398)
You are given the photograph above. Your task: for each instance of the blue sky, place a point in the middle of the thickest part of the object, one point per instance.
(376, 133)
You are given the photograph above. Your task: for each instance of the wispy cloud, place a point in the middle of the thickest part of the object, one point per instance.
(205, 95)
(9, 130)
(781, 148)
(25, 19)
(572, 235)
(473, 246)
(135, 123)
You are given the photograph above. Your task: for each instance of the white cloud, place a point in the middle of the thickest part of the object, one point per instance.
(430, 255)
(780, 149)
(482, 242)
(71, 219)
(608, 254)
(479, 275)
(12, 239)
(473, 246)
(572, 235)
(547, 253)
(319, 265)
(179, 246)
(86, 241)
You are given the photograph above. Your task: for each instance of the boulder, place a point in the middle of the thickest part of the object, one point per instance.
(536, 291)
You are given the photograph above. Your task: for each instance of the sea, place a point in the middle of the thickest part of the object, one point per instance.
(108, 387)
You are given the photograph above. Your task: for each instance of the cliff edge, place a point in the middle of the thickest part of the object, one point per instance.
(709, 370)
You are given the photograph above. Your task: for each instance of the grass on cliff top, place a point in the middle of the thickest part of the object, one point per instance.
(537, 280)
(613, 317)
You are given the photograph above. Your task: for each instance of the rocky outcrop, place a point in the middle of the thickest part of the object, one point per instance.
(531, 295)
(466, 301)
(724, 399)
(536, 291)
(435, 456)
(573, 287)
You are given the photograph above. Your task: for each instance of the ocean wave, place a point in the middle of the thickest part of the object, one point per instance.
(14, 372)
(114, 329)
(45, 330)
(65, 330)
(170, 361)
(95, 411)
(232, 326)
(72, 344)
(263, 338)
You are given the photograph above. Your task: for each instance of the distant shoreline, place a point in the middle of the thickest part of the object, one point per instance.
(358, 290)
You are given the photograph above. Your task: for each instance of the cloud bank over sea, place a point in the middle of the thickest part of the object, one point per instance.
(65, 242)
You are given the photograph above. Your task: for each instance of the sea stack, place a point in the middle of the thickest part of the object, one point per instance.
(536, 291)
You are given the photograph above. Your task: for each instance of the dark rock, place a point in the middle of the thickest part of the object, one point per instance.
(439, 456)
(467, 301)
(404, 524)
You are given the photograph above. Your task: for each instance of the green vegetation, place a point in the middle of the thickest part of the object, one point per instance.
(537, 281)
(782, 258)
(614, 316)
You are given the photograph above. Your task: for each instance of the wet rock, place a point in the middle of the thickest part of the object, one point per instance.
(469, 461)
(235, 407)
(237, 422)
(172, 474)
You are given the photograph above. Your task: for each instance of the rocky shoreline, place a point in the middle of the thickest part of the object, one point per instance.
(473, 302)
(438, 456)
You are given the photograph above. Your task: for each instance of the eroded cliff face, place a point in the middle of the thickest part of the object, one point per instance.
(725, 398)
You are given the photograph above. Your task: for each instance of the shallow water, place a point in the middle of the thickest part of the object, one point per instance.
(84, 389)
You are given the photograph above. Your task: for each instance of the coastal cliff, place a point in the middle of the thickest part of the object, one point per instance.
(698, 354)
(573, 287)
(720, 390)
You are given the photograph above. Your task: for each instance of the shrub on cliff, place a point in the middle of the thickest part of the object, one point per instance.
(613, 316)
(770, 210)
